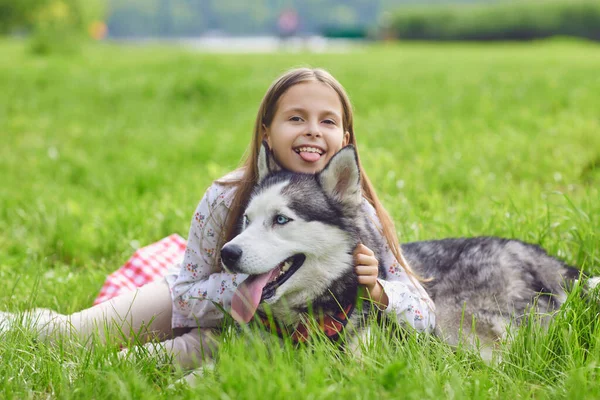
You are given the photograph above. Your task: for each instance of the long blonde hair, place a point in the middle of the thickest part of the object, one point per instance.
(249, 168)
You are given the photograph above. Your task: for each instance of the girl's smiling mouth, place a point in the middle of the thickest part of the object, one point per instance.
(309, 153)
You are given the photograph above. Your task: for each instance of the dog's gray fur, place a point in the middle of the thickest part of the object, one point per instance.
(490, 280)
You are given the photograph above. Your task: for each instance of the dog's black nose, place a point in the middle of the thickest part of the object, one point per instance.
(230, 255)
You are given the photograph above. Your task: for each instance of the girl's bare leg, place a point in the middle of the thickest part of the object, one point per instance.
(131, 319)
(138, 315)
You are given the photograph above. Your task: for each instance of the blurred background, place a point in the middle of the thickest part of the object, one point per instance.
(264, 23)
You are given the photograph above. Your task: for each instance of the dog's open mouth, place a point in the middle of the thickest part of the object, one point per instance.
(286, 268)
(262, 286)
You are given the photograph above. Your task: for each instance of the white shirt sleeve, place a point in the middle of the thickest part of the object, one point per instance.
(408, 300)
(201, 288)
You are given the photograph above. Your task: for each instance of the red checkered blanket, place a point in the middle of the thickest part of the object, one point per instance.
(146, 265)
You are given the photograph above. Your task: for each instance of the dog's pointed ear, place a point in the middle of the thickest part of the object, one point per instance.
(266, 162)
(341, 177)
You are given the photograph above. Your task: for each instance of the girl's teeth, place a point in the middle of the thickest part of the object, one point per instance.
(309, 150)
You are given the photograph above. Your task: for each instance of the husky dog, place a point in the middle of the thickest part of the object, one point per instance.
(297, 239)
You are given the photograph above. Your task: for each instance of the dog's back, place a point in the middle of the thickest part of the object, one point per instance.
(489, 281)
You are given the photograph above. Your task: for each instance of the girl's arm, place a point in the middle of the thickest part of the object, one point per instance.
(201, 288)
(404, 295)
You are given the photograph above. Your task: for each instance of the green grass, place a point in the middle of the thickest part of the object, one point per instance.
(112, 148)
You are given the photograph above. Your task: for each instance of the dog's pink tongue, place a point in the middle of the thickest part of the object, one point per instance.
(310, 157)
(247, 296)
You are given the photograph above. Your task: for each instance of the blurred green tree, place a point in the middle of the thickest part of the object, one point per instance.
(17, 15)
(52, 24)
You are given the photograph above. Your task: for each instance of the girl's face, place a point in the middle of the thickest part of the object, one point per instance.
(307, 130)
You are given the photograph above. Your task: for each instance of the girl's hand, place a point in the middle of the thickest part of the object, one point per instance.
(367, 269)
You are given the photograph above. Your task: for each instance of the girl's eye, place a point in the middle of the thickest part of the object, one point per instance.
(329, 121)
(296, 119)
(281, 219)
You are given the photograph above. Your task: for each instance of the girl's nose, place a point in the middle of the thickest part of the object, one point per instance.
(313, 130)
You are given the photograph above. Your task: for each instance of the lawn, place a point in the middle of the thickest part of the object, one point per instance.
(111, 148)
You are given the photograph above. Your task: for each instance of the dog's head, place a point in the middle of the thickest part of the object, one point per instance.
(298, 231)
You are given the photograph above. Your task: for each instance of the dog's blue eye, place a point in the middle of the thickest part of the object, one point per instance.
(281, 219)
(246, 221)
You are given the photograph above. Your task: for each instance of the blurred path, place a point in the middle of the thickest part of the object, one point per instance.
(255, 44)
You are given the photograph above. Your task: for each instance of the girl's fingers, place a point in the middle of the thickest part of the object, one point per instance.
(367, 266)
(366, 270)
(362, 259)
(362, 249)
